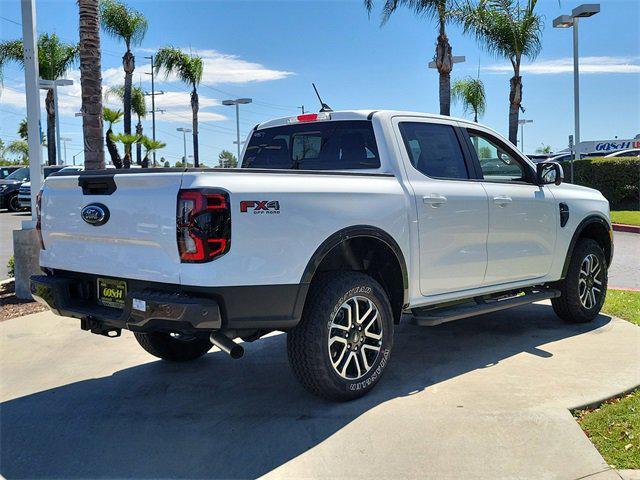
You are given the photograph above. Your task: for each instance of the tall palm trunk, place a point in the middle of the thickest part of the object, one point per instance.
(91, 84)
(194, 109)
(515, 99)
(113, 150)
(138, 144)
(444, 64)
(129, 65)
(51, 127)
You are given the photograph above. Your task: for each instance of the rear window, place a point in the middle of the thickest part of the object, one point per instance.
(337, 145)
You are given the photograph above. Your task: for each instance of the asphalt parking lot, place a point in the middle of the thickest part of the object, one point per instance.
(485, 397)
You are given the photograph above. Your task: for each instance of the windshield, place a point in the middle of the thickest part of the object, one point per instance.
(20, 175)
(337, 145)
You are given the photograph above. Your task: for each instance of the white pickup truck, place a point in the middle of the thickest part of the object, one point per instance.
(336, 225)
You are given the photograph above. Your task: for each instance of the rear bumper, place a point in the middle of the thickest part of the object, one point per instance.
(170, 307)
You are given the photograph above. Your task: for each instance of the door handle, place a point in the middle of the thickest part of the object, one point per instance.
(434, 199)
(502, 200)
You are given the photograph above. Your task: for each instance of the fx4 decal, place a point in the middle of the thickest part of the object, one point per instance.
(260, 206)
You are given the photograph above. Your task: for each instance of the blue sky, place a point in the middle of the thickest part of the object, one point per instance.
(273, 50)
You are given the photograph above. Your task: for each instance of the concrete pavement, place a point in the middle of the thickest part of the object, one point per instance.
(485, 397)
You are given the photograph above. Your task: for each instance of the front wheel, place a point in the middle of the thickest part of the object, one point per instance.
(342, 344)
(12, 203)
(172, 346)
(584, 288)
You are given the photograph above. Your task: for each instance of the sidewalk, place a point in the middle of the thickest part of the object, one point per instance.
(486, 397)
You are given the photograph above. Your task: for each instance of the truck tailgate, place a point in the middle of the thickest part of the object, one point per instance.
(138, 240)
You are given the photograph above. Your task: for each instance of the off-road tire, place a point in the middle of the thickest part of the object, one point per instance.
(568, 306)
(307, 344)
(166, 347)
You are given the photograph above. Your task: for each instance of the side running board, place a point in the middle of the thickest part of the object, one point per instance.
(429, 317)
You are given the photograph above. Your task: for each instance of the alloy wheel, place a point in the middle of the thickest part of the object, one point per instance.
(355, 338)
(590, 281)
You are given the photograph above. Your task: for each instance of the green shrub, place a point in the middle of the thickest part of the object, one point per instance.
(617, 178)
(11, 267)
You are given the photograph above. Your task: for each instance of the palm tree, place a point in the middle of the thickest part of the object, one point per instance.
(91, 84)
(21, 149)
(55, 58)
(127, 140)
(111, 117)
(150, 146)
(130, 26)
(470, 92)
(187, 68)
(510, 30)
(443, 11)
(138, 106)
(543, 149)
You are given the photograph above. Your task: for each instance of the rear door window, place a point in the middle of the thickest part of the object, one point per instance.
(336, 145)
(434, 150)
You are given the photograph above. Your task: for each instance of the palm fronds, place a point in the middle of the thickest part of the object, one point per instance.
(470, 92)
(122, 23)
(188, 68)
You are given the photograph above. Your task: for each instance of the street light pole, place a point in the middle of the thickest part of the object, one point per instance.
(522, 123)
(153, 104)
(237, 102)
(566, 21)
(184, 142)
(64, 142)
(31, 76)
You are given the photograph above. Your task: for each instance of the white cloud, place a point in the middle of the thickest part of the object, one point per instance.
(588, 65)
(221, 68)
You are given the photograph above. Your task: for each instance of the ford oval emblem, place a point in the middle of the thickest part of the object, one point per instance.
(95, 214)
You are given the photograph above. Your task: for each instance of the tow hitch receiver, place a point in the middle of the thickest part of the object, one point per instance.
(99, 328)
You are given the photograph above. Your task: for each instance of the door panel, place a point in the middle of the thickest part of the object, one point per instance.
(522, 232)
(452, 211)
(522, 216)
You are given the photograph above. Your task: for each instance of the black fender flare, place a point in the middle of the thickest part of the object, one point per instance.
(587, 221)
(356, 231)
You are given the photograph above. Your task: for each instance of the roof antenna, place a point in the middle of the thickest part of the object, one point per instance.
(323, 106)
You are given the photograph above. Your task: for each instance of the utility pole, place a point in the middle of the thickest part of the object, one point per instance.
(237, 102)
(32, 88)
(64, 141)
(153, 103)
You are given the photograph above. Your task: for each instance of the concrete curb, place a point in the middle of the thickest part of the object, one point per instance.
(621, 227)
(7, 281)
(601, 401)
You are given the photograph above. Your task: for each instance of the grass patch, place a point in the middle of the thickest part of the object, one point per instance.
(623, 304)
(614, 428)
(628, 217)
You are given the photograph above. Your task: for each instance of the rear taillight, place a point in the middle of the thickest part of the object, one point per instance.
(204, 225)
(38, 218)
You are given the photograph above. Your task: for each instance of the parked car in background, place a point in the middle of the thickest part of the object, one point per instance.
(10, 186)
(335, 225)
(632, 152)
(24, 192)
(7, 170)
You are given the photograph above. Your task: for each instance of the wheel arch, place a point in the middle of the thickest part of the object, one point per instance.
(597, 228)
(365, 248)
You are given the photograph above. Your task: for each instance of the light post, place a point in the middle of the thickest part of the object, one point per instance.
(153, 94)
(64, 141)
(184, 141)
(74, 156)
(53, 85)
(237, 102)
(566, 21)
(522, 122)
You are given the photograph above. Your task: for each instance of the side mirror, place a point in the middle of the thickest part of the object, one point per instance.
(549, 172)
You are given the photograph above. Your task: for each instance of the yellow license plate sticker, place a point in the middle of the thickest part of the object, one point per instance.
(111, 293)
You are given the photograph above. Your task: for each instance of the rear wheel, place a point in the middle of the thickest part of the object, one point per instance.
(585, 286)
(173, 347)
(342, 344)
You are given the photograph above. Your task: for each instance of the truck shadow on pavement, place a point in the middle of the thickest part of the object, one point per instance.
(223, 418)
